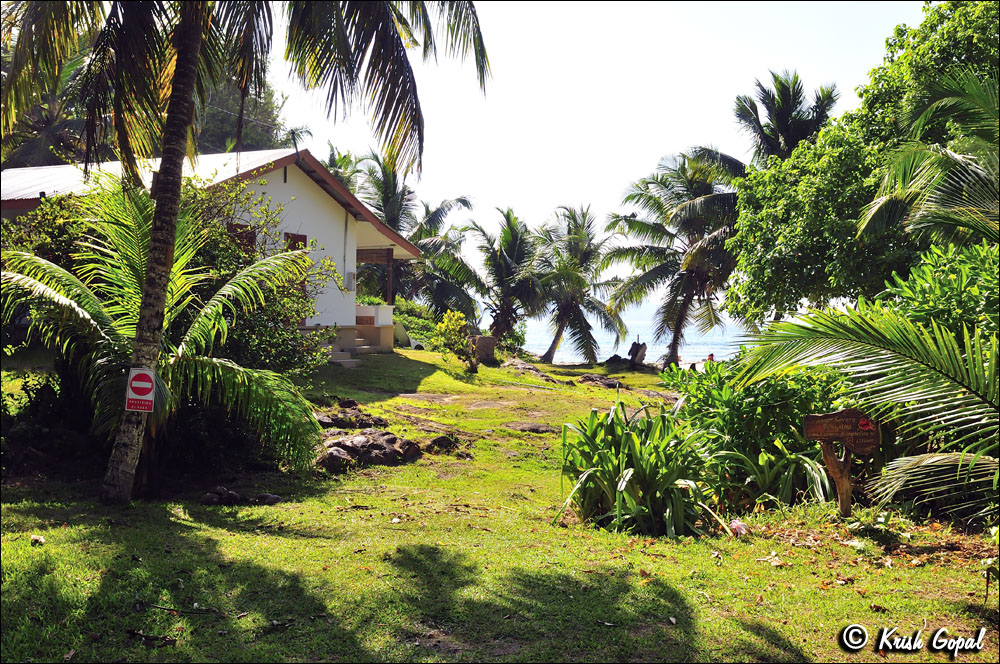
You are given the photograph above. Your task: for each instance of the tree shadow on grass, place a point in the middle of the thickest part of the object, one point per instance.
(147, 583)
(379, 378)
(537, 614)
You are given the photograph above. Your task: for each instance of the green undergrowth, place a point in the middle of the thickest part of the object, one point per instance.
(455, 559)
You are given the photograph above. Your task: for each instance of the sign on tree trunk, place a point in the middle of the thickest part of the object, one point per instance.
(141, 390)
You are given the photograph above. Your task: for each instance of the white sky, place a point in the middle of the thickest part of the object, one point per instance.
(585, 98)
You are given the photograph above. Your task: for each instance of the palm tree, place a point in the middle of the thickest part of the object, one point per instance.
(789, 118)
(512, 274)
(440, 276)
(572, 264)
(90, 314)
(690, 210)
(152, 56)
(936, 383)
(345, 167)
(954, 196)
(50, 132)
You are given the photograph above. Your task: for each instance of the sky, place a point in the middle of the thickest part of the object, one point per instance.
(585, 98)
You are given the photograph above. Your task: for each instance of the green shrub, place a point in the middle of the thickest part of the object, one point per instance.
(753, 432)
(370, 300)
(952, 287)
(417, 319)
(645, 474)
(451, 335)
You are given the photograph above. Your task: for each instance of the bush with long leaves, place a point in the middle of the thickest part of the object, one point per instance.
(89, 314)
(645, 473)
(935, 384)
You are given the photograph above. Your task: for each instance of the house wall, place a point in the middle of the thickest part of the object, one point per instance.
(310, 211)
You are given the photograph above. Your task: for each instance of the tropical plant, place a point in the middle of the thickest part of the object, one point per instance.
(513, 283)
(952, 286)
(451, 335)
(752, 431)
(572, 261)
(51, 131)
(149, 62)
(90, 315)
(346, 167)
(934, 383)
(689, 209)
(790, 118)
(440, 276)
(951, 193)
(645, 473)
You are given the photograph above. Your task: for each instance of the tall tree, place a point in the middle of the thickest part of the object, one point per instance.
(512, 274)
(789, 117)
(572, 264)
(152, 55)
(689, 209)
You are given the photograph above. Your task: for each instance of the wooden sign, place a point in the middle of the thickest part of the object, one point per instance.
(852, 427)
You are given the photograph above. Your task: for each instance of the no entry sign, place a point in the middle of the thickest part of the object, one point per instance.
(140, 391)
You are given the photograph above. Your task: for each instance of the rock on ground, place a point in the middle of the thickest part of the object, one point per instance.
(370, 447)
(602, 381)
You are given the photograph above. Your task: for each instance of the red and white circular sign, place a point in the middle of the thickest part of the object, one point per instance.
(140, 391)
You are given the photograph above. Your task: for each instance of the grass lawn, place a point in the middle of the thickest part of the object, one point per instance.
(456, 559)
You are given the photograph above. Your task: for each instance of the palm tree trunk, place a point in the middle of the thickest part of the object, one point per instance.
(120, 475)
(551, 352)
(675, 340)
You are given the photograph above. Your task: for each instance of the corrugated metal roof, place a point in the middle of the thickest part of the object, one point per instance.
(28, 183)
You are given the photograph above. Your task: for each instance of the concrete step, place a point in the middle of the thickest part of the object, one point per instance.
(350, 364)
(339, 355)
(365, 350)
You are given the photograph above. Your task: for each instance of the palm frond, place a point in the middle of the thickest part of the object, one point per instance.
(244, 293)
(265, 400)
(935, 383)
(956, 481)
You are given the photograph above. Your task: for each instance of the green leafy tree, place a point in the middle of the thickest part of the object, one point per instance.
(90, 315)
(346, 167)
(689, 208)
(795, 238)
(512, 276)
(262, 127)
(572, 261)
(952, 33)
(151, 60)
(789, 118)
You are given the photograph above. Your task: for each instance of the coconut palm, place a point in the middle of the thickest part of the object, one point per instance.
(789, 118)
(90, 315)
(151, 57)
(571, 264)
(440, 276)
(951, 193)
(50, 132)
(689, 210)
(513, 281)
(935, 383)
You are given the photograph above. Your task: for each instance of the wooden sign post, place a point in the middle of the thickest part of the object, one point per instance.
(857, 432)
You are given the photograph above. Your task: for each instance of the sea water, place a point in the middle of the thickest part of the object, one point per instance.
(723, 341)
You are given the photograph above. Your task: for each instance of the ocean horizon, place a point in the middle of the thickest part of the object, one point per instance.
(723, 341)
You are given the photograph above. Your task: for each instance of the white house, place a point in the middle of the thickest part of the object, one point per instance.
(315, 207)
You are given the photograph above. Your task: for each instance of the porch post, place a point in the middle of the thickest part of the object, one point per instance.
(389, 296)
